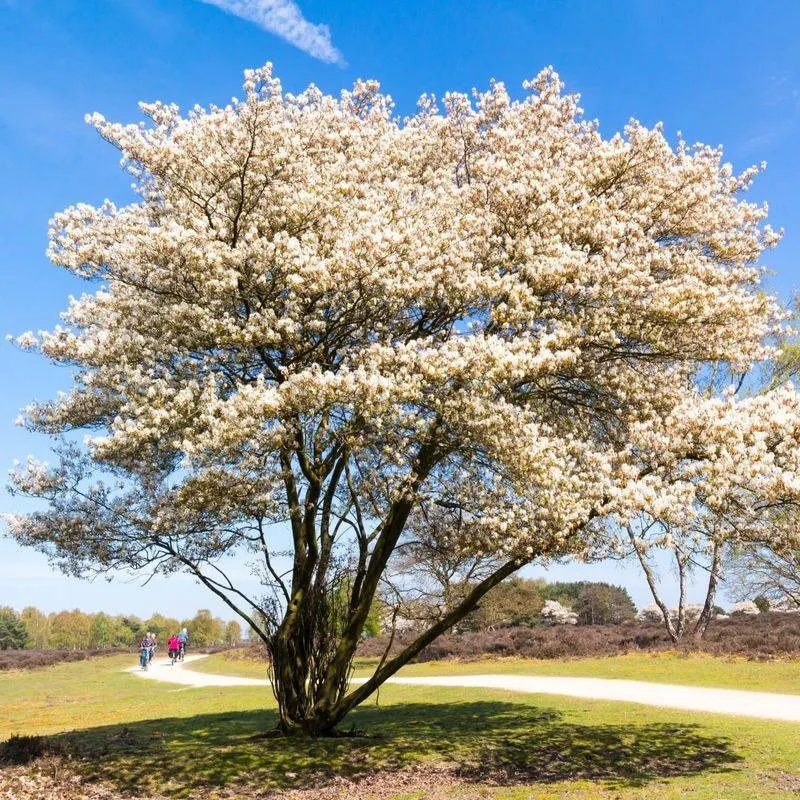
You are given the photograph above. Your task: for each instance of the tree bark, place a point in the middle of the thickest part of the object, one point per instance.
(312, 696)
(681, 559)
(711, 593)
(651, 582)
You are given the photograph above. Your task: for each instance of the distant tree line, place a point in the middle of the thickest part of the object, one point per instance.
(520, 601)
(77, 630)
(516, 602)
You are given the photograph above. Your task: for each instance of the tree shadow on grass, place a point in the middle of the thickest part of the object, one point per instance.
(485, 742)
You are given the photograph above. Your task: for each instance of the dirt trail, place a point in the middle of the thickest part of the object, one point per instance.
(161, 669)
(765, 705)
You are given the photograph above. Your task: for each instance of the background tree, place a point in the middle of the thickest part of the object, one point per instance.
(70, 630)
(516, 601)
(13, 633)
(320, 315)
(109, 632)
(603, 604)
(596, 603)
(134, 628)
(762, 604)
(233, 633)
(204, 629)
(163, 627)
(37, 624)
(102, 633)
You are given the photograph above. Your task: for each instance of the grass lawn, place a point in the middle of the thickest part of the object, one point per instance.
(141, 736)
(690, 669)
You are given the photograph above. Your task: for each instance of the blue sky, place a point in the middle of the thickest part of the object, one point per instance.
(721, 73)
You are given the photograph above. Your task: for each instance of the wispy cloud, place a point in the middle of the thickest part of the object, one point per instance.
(285, 19)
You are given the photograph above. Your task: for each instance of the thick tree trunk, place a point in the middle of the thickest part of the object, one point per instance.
(313, 648)
(311, 689)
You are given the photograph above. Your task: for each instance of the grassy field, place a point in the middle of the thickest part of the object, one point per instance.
(695, 669)
(137, 737)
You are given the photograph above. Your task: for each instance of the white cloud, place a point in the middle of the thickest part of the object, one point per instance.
(285, 19)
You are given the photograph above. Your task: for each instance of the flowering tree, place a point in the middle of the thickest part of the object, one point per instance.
(554, 613)
(321, 315)
(747, 608)
(689, 613)
(769, 565)
(786, 364)
(743, 515)
(651, 613)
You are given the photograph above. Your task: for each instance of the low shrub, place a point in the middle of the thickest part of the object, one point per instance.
(24, 749)
(29, 659)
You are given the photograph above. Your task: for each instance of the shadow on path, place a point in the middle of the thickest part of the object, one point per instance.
(484, 742)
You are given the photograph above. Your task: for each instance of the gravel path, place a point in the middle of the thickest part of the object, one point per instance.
(161, 669)
(690, 698)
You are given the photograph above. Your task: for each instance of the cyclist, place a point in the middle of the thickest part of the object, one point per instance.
(183, 637)
(145, 651)
(174, 647)
(152, 645)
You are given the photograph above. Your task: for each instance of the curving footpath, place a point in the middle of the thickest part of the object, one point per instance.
(162, 669)
(765, 705)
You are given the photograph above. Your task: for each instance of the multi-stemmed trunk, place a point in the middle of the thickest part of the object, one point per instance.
(310, 671)
(307, 702)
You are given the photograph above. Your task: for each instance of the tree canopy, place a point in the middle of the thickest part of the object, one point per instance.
(13, 633)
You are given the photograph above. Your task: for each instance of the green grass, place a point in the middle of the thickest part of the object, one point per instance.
(689, 669)
(142, 735)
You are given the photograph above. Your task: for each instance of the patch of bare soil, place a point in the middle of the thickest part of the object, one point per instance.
(52, 778)
(428, 782)
(788, 783)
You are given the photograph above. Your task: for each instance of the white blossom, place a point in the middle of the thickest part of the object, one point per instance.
(554, 613)
(488, 304)
(746, 608)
